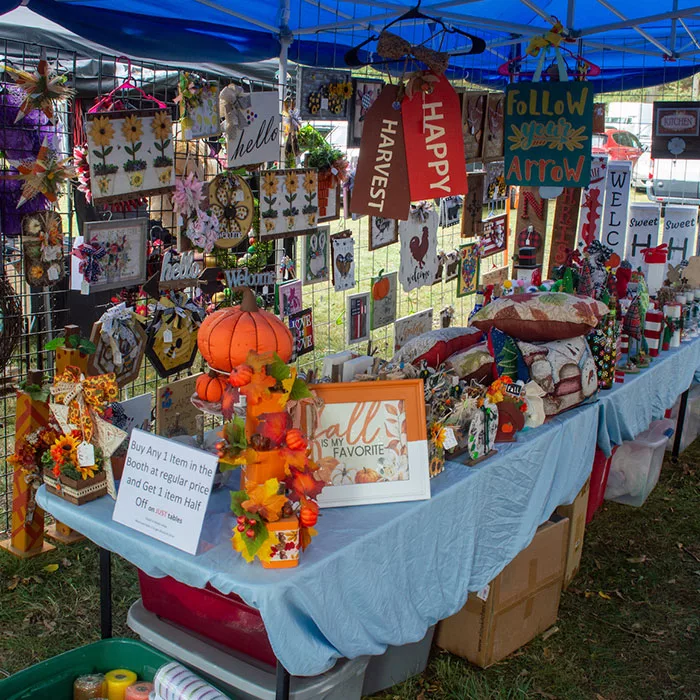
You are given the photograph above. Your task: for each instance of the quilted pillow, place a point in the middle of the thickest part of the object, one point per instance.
(541, 316)
(436, 346)
(564, 370)
(475, 363)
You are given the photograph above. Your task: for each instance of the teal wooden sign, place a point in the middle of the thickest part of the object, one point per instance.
(548, 132)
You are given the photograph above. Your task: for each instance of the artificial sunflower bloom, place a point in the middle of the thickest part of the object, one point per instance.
(310, 181)
(87, 472)
(64, 450)
(291, 182)
(132, 128)
(36, 272)
(346, 90)
(269, 184)
(101, 131)
(161, 125)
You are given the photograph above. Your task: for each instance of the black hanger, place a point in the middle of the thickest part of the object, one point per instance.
(352, 57)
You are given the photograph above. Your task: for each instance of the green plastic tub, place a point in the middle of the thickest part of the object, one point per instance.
(53, 679)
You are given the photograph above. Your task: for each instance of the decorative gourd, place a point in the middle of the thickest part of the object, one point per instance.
(241, 375)
(308, 517)
(295, 439)
(210, 387)
(380, 288)
(228, 335)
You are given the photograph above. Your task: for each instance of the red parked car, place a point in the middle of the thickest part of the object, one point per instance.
(619, 145)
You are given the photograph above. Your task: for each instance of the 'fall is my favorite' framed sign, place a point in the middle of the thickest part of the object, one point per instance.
(549, 129)
(371, 443)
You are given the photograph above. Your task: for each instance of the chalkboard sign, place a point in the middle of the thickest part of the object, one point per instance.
(548, 129)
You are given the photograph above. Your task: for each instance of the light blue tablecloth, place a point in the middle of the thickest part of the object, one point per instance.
(376, 575)
(628, 409)
(381, 575)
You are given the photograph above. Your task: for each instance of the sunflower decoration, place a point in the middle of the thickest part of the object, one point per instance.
(231, 201)
(161, 126)
(64, 450)
(132, 128)
(314, 102)
(269, 184)
(41, 88)
(291, 182)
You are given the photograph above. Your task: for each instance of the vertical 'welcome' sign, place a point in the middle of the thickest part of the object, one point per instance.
(548, 128)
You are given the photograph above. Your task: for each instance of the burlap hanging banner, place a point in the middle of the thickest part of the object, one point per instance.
(381, 180)
(434, 145)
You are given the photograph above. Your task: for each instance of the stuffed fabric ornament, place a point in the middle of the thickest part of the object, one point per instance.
(508, 360)
(623, 277)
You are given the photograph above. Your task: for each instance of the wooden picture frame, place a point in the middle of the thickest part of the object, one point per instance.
(371, 442)
(313, 96)
(382, 232)
(125, 268)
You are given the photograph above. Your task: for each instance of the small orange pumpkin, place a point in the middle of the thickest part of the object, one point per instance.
(295, 439)
(308, 515)
(380, 289)
(210, 387)
(241, 375)
(227, 336)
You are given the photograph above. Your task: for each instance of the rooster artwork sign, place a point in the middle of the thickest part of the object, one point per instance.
(418, 237)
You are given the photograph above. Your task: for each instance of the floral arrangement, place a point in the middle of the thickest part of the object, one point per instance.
(325, 158)
(192, 92)
(269, 443)
(61, 459)
(201, 225)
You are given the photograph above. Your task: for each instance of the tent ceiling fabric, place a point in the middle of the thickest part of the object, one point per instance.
(635, 43)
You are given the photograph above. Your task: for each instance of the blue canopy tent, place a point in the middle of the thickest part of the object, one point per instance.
(635, 46)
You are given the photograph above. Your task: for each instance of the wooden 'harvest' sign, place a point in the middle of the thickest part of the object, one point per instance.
(549, 128)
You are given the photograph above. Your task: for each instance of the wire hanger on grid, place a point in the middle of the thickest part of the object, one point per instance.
(128, 84)
(352, 57)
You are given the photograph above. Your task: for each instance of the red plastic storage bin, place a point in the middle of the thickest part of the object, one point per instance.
(599, 481)
(225, 619)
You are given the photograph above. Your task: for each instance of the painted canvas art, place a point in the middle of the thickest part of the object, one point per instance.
(289, 297)
(175, 413)
(357, 312)
(315, 250)
(365, 92)
(382, 232)
(343, 261)
(289, 202)
(382, 302)
(418, 237)
(409, 326)
(468, 278)
(130, 154)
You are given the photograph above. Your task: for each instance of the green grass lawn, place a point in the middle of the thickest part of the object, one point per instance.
(629, 625)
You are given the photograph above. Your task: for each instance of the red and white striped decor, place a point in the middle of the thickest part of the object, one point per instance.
(653, 327)
(624, 343)
(619, 376)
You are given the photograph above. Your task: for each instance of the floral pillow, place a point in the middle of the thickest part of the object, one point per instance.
(475, 363)
(436, 346)
(541, 316)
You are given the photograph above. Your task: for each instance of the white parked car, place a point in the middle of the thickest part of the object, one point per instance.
(641, 171)
(674, 181)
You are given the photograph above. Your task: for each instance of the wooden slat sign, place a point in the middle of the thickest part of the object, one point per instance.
(381, 180)
(432, 126)
(617, 199)
(642, 231)
(676, 130)
(549, 128)
(680, 232)
(593, 198)
(564, 229)
(473, 208)
(473, 113)
(531, 221)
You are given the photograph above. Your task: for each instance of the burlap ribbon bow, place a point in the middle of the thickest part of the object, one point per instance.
(394, 48)
(234, 104)
(83, 395)
(296, 410)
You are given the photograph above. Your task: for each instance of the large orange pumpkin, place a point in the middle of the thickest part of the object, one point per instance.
(227, 336)
(210, 387)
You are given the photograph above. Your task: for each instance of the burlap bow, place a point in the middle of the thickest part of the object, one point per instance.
(234, 104)
(83, 396)
(421, 211)
(296, 410)
(394, 48)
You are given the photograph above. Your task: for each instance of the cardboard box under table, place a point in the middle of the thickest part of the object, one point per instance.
(576, 513)
(520, 603)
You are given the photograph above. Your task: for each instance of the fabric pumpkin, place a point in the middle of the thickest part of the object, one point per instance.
(228, 335)
(436, 346)
(541, 316)
(507, 358)
(210, 387)
(475, 363)
(564, 370)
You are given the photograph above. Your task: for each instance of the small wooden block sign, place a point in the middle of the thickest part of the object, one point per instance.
(165, 489)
